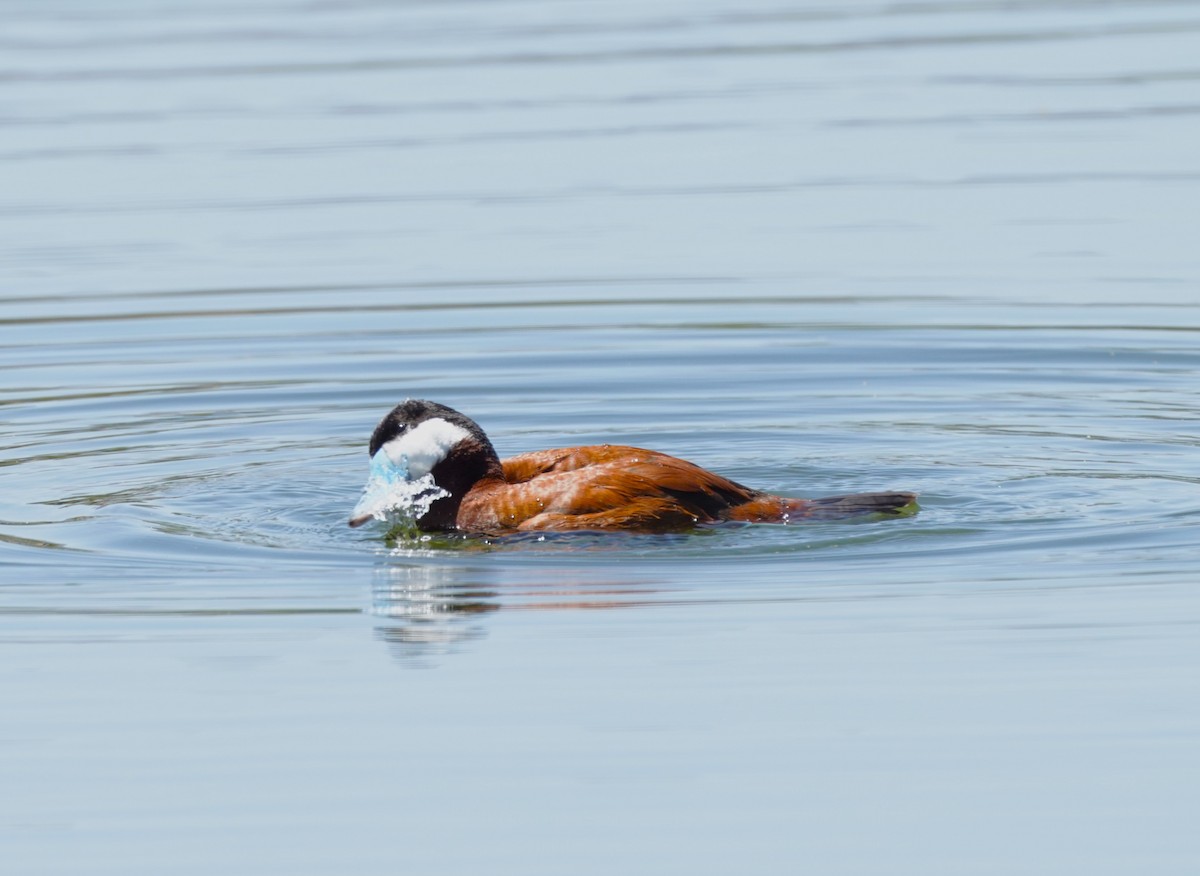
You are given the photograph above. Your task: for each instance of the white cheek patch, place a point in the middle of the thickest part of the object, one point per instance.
(419, 449)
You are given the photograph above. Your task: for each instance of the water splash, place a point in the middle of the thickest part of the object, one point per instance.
(390, 495)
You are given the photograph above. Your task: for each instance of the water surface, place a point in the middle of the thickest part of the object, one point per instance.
(817, 248)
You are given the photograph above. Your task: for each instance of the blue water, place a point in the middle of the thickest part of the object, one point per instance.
(940, 247)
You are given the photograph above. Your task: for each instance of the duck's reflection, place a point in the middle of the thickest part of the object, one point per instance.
(428, 607)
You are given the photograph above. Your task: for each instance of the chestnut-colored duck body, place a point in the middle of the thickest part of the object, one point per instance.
(597, 487)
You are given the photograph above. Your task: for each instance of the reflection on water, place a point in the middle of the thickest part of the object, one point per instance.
(428, 608)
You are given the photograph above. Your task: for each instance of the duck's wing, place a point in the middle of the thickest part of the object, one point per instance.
(609, 487)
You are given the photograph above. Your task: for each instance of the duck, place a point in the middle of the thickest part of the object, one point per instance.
(595, 487)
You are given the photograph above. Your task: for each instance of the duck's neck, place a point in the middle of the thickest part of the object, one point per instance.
(470, 462)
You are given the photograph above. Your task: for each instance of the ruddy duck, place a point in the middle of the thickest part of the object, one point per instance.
(598, 487)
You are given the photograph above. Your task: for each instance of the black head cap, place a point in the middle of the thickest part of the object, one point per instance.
(413, 411)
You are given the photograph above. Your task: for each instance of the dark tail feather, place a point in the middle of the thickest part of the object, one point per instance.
(779, 509)
(833, 507)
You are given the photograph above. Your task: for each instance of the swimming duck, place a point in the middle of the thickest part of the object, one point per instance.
(597, 487)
